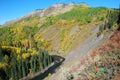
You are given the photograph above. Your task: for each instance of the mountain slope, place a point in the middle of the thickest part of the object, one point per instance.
(58, 33)
(59, 29)
(52, 10)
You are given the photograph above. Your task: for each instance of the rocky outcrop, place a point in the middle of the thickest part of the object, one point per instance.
(52, 10)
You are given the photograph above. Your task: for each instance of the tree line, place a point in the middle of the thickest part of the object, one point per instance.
(16, 66)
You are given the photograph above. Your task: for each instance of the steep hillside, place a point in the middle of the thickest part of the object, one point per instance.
(58, 33)
(52, 10)
(103, 62)
(25, 43)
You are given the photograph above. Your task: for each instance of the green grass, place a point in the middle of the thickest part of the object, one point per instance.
(83, 15)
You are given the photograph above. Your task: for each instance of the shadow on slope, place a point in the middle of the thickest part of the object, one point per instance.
(58, 60)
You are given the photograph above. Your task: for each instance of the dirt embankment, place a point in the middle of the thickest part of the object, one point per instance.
(74, 56)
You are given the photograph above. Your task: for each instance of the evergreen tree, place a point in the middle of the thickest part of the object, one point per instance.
(46, 57)
(26, 66)
(23, 68)
(32, 63)
(118, 21)
(1, 55)
(50, 59)
(6, 69)
(13, 62)
(12, 73)
(40, 59)
(15, 65)
(19, 64)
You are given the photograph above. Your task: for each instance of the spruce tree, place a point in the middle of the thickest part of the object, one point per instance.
(26, 66)
(23, 68)
(118, 21)
(1, 55)
(44, 59)
(13, 67)
(34, 63)
(20, 68)
(31, 63)
(40, 60)
(50, 59)
(6, 68)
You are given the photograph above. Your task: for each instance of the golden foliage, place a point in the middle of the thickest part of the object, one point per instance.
(34, 52)
(2, 65)
(25, 42)
(25, 55)
(65, 42)
(12, 48)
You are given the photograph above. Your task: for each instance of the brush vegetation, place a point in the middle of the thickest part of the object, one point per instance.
(25, 45)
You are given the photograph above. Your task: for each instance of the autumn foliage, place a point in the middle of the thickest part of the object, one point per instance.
(102, 63)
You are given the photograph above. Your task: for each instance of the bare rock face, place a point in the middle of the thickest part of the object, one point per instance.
(52, 10)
